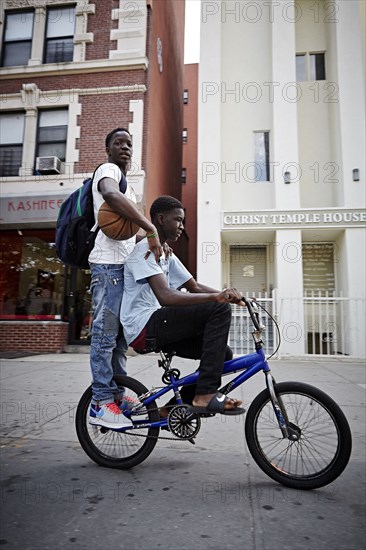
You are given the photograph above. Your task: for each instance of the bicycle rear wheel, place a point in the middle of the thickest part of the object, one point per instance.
(114, 449)
(323, 447)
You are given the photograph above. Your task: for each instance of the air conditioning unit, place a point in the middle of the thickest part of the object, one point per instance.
(48, 165)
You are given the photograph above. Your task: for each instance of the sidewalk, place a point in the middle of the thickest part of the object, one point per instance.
(208, 496)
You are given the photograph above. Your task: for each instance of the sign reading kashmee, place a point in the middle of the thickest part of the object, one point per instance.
(266, 219)
(30, 209)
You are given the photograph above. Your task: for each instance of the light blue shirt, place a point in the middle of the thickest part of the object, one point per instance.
(138, 301)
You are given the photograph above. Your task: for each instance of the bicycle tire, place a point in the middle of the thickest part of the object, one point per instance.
(323, 449)
(110, 448)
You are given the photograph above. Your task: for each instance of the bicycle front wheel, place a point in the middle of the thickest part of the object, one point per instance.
(114, 449)
(322, 450)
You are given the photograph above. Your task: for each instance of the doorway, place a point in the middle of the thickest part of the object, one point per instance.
(248, 269)
(248, 274)
(78, 305)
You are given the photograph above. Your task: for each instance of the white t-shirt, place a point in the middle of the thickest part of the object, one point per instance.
(138, 300)
(106, 250)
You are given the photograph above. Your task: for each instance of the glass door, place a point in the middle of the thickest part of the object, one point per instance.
(78, 305)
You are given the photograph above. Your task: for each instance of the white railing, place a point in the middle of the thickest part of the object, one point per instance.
(334, 324)
(240, 336)
(329, 325)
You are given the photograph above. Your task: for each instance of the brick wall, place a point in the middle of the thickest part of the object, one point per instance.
(113, 112)
(189, 190)
(37, 337)
(101, 24)
(165, 104)
(99, 115)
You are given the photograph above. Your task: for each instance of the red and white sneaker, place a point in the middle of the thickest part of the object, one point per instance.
(108, 415)
(127, 402)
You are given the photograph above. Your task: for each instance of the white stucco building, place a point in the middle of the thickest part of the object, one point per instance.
(281, 165)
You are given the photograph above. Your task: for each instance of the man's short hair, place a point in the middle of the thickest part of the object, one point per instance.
(164, 204)
(108, 139)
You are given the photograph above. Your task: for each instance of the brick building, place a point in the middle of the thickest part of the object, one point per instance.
(189, 169)
(71, 72)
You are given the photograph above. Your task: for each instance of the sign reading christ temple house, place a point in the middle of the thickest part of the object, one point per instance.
(304, 217)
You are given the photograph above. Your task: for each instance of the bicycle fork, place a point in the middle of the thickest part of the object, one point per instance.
(289, 430)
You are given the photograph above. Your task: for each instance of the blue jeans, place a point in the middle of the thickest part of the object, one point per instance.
(108, 345)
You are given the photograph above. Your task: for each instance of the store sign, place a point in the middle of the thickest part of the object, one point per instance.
(294, 219)
(43, 208)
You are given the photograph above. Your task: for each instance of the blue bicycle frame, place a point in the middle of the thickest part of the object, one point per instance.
(251, 364)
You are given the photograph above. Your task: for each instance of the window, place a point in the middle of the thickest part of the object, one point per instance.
(184, 175)
(300, 67)
(32, 276)
(17, 44)
(11, 143)
(310, 66)
(184, 135)
(60, 28)
(185, 97)
(261, 156)
(59, 39)
(318, 268)
(317, 66)
(52, 133)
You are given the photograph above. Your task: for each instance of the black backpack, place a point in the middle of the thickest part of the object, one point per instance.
(74, 236)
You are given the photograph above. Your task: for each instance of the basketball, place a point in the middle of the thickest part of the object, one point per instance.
(114, 226)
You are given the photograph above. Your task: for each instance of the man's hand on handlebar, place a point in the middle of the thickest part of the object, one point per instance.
(230, 296)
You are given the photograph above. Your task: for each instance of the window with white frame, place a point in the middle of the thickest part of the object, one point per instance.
(22, 25)
(11, 143)
(52, 133)
(318, 268)
(184, 135)
(60, 29)
(17, 41)
(185, 97)
(261, 156)
(310, 66)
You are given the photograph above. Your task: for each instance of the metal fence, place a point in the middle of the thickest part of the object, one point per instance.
(333, 324)
(240, 337)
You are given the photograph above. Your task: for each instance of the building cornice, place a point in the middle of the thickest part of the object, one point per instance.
(72, 92)
(81, 67)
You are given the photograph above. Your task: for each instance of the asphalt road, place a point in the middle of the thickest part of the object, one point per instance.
(208, 496)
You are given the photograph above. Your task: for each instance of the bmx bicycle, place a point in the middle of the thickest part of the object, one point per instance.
(296, 433)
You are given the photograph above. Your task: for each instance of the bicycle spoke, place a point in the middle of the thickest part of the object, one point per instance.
(316, 446)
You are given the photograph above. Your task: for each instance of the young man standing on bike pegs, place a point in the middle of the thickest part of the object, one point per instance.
(195, 324)
(108, 345)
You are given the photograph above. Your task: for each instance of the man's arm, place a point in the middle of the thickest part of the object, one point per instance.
(126, 208)
(196, 288)
(170, 297)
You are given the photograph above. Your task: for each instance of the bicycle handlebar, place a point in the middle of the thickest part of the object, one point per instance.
(253, 312)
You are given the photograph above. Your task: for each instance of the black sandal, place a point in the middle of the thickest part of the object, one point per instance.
(217, 405)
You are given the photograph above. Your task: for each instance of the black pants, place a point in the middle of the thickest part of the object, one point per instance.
(195, 332)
